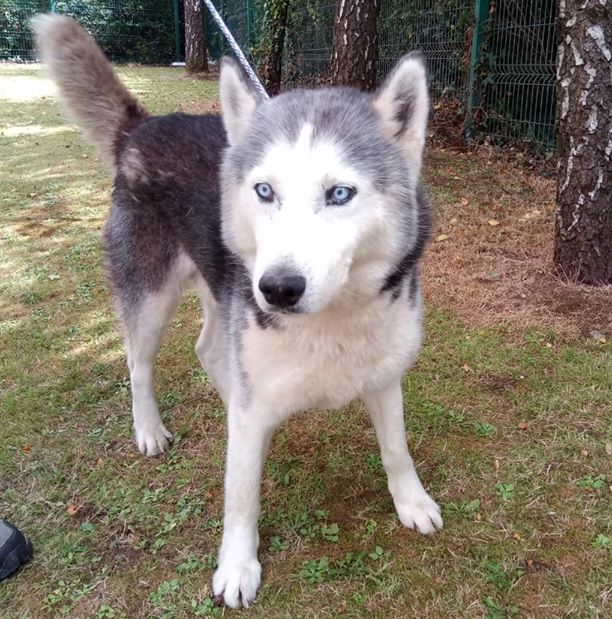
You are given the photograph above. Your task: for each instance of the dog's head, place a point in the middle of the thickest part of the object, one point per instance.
(320, 186)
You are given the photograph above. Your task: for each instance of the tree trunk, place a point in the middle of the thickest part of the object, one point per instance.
(273, 43)
(355, 43)
(196, 56)
(583, 229)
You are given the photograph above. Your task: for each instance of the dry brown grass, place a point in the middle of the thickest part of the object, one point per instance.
(495, 264)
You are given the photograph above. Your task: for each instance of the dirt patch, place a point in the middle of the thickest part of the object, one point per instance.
(490, 260)
(127, 557)
(200, 107)
(497, 383)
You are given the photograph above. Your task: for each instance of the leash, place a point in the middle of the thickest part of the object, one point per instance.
(236, 49)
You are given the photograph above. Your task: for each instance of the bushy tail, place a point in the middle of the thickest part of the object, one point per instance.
(89, 88)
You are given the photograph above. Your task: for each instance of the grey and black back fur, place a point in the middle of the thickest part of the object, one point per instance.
(301, 223)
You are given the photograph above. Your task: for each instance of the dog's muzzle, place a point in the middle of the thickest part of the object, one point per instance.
(282, 290)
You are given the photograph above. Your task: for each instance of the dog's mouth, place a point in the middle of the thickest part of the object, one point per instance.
(290, 310)
(285, 311)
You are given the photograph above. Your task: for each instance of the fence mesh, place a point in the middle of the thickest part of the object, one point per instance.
(514, 65)
(127, 30)
(308, 41)
(15, 35)
(518, 71)
(438, 30)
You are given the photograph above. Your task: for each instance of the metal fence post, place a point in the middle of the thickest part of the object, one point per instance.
(177, 29)
(481, 13)
(52, 6)
(249, 25)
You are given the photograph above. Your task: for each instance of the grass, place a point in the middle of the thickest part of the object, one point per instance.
(510, 427)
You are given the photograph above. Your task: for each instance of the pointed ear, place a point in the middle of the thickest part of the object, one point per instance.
(403, 104)
(238, 99)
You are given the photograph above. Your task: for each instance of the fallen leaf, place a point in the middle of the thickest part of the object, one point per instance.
(523, 426)
(99, 461)
(464, 201)
(26, 449)
(466, 368)
(493, 222)
(441, 237)
(72, 509)
(33, 194)
(516, 536)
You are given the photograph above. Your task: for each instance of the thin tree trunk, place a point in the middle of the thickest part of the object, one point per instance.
(583, 230)
(273, 40)
(355, 43)
(196, 55)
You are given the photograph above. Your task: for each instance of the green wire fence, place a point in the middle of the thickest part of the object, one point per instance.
(517, 71)
(127, 30)
(492, 62)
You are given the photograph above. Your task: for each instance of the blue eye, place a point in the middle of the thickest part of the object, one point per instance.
(264, 191)
(339, 195)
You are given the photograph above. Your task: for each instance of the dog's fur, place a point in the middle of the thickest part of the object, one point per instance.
(225, 205)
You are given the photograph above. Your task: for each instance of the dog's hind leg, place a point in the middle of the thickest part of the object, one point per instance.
(415, 508)
(145, 323)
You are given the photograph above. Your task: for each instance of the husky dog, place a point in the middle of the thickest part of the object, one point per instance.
(301, 222)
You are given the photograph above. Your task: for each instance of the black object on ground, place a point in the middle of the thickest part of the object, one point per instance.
(15, 549)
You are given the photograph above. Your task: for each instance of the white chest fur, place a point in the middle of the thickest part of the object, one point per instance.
(325, 361)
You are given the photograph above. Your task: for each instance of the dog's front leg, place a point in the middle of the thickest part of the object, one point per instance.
(415, 508)
(239, 572)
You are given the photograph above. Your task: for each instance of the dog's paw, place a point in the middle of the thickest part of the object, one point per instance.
(421, 513)
(153, 441)
(236, 583)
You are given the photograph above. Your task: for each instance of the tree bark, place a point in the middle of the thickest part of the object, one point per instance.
(273, 42)
(196, 55)
(355, 43)
(583, 227)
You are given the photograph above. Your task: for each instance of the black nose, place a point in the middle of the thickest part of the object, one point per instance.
(282, 290)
